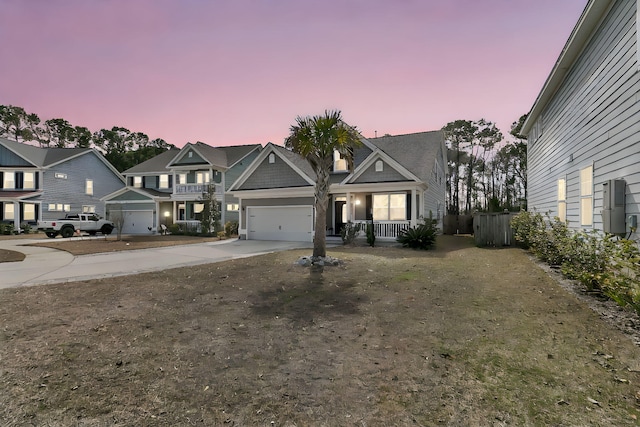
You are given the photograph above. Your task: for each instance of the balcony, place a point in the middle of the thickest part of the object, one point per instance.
(188, 189)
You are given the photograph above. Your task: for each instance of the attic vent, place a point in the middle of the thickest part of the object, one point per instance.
(61, 175)
(379, 166)
(190, 154)
(272, 158)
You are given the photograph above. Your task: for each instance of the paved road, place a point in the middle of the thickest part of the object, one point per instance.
(45, 265)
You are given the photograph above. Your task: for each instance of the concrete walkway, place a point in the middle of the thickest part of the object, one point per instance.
(45, 265)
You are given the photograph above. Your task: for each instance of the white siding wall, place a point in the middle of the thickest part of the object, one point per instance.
(594, 118)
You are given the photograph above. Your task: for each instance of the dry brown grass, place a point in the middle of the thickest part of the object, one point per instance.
(457, 336)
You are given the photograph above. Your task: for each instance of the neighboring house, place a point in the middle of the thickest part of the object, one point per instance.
(396, 181)
(49, 183)
(584, 128)
(168, 188)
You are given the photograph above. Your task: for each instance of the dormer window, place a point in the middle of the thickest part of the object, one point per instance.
(339, 162)
(137, 182)
(379, 166)
(163, 181)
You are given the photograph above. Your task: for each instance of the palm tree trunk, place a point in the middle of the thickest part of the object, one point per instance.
(322, 200)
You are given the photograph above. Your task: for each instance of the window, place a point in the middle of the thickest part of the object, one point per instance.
(586, 196)
(137, 182)
(202, 177)
(232, 207)
(182, 178)
(379, 166)
(163, 181)
(88, 188)
(339, 162)
(59, 207)
(9, 180)
(88, 209)
(562, 199)
(9, 212)
(29, 212)
(272, 158)
(389, 207)
(28, 181)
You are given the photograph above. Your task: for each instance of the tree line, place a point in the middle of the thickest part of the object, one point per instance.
(120, 146)
(485, 171)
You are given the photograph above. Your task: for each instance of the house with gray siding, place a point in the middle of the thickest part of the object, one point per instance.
(168, 188)
(584, 127)
(49, 183)
(396, 181)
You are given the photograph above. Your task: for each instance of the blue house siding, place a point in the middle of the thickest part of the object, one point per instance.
(9, 159)
(593, 119)
(72, 189)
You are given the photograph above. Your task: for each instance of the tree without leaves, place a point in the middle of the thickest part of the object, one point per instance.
(316, 139)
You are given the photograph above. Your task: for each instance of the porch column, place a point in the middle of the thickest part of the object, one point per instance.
(414, 202)
(175, 212)
(223, 203)
(16, 215)
(240, 216)
(349, 208)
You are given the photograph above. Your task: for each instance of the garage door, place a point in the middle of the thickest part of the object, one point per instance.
(137, 222)
(289, 223)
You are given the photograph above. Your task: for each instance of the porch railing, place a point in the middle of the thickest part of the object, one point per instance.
(194, 188)
(189, 225)
(385, 228)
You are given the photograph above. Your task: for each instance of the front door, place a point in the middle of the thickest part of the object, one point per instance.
(340, 215)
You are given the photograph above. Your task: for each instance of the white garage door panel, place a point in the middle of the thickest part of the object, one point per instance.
(137, 222)
(288, 223)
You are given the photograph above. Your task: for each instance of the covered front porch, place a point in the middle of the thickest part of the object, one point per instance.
(390, 211)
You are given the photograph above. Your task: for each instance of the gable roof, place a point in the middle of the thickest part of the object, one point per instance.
(593, 14)
(48, 157)
(155, 164)
(236, 153)
(293, 160)
(42, 157)
(415, 152)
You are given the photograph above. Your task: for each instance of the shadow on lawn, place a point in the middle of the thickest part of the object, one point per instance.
(309, 299)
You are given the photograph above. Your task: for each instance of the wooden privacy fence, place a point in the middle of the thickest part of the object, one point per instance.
(457, 224)
(493, 229)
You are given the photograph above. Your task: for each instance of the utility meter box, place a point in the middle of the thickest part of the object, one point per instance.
(613, 212)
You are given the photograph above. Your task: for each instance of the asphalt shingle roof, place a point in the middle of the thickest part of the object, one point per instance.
(41, 157)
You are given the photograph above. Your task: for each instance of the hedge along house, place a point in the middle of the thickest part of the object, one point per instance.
(168, 188)
(584, 128)
(49, 183)
(396, 181)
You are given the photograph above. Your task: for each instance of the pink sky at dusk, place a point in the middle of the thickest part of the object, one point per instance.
(229, 72)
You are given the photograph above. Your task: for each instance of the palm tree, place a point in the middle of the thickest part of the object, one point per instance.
(316, 139)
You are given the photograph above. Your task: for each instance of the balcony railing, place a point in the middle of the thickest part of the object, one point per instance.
(194, 188)
(385, 228)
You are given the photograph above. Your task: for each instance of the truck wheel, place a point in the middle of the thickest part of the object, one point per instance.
(67, 232)
(106, 229)
(51, 234)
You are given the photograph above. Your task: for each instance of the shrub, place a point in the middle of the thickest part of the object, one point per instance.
(222, 235)
(422, 236)
(600, 262)
(349, 232)
(26, 228)
(371, 234)
(231, 228)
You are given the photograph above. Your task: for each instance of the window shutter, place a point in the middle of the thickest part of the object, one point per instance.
(408, 215)
(170, 180)
(1, 180)
(369, 206)
(36, 177)
(19, 176)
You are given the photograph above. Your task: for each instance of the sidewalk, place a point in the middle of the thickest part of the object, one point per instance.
(45, 265)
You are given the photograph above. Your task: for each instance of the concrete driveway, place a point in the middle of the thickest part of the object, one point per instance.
(45, 265)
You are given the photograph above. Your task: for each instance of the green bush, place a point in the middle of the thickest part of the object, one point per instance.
(349, 232)
(371, 233)
(231, 228)
(422, 236)
(599, 261)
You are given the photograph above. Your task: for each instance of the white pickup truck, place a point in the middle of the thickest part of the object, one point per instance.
(89, 223)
